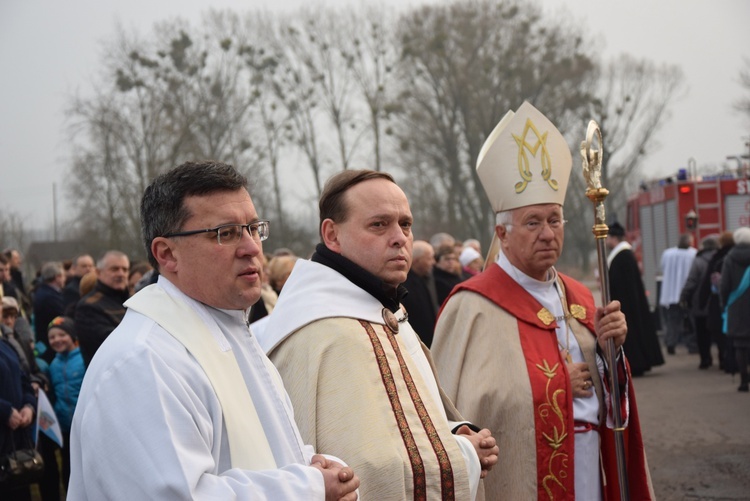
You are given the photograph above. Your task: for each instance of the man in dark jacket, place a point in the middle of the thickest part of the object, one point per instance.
(708, 297)
(444, 271)
(48, 302)
(421, 301)
(735, 296)
(72, 292)
(690, 297)
(101, 310)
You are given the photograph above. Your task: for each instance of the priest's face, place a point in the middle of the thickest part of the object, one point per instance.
(534, 239)
(376, 233)
(224, 276)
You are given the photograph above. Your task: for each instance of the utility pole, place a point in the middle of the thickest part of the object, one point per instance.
(54, 212)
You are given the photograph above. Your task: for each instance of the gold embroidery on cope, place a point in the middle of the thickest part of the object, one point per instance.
(578, 311)
(523, 160)
(545, 316)
(549, 411)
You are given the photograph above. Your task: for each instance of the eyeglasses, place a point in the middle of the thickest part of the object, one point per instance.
(537, 226)
(230, 234)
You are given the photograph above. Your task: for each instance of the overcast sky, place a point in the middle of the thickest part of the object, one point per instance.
(51, 49)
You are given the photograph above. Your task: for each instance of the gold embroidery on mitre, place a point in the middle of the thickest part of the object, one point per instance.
(545, 316)
(578, 311)
(523, 160)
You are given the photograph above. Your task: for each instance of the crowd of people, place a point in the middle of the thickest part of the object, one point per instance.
(377, 366)
(55, 323)
(705, 302)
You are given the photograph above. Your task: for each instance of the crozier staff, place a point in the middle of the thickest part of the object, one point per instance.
(517, 347)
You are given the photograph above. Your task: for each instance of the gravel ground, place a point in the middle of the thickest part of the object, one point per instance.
(696, 428)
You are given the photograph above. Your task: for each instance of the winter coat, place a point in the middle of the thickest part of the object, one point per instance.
(97, 315)
(15, 393)
(66, 372)
(48, 304)
(690, 295)
(735, 264)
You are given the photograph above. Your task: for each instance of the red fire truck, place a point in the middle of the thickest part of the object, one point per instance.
(665, 208)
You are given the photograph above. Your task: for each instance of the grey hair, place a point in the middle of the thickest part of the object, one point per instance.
(50, 271)
(505, 218)
(439, 239)
(742, 235)
(114, 253)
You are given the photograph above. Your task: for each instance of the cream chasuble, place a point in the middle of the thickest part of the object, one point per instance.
(363, 392)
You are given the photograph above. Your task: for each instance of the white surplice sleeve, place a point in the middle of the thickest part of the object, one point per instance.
(159, 435)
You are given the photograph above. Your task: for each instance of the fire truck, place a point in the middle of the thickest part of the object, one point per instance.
(665, 208)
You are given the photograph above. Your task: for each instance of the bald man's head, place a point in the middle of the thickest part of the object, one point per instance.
(423, 258)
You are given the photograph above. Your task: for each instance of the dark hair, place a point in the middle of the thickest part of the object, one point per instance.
(726, 239)
(141, 268)
(685, 241)
(444, 250)
(331, 203)
(162, 206)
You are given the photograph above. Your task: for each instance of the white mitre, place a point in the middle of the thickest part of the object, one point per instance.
(524, 161)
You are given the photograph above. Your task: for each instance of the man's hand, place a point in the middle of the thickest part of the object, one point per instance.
(485, 445)
(610, 322)
(580, 379)
(340, 481)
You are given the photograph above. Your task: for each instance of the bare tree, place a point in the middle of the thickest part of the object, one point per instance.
(631, 103)
(372, 56)
(742, 105)
(466, 64)
(160, 102)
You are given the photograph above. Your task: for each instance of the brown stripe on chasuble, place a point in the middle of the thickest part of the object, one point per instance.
(417, 465)
(446, 470)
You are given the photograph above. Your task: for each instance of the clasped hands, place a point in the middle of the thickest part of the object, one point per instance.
(340, 481)
(485, 445)
(20, 419)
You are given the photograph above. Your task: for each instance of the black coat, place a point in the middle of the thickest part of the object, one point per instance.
(15, 392)
(625, 285)
(444, 283)
(48, 304)
(97, 315)
(72, 292)
(421, 306)
(735, 264)
(708, 293)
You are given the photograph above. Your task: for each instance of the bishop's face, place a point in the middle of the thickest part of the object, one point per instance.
(535, 241)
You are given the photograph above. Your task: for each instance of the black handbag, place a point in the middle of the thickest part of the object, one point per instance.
(21, 467)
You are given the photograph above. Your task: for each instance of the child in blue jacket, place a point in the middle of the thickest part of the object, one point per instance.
(66, 375)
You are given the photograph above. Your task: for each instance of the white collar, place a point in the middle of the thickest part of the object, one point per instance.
(618, 248)
(525, 281)
(313, 292)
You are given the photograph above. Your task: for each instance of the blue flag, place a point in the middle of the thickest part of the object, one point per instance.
(46, 419)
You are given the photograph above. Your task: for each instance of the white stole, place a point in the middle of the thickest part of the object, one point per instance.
(248, 446)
